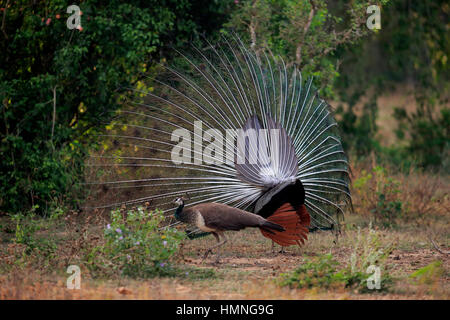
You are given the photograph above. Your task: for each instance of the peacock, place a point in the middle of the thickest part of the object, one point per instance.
(233, 125)
(215, 218)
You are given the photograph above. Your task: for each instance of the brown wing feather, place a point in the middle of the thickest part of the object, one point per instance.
(222, 217)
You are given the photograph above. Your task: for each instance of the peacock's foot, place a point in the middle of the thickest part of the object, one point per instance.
(276, 253)
(206, 254)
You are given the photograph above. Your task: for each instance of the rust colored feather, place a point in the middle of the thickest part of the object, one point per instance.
(295, 223)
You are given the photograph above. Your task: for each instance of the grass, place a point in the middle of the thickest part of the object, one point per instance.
(33, 264)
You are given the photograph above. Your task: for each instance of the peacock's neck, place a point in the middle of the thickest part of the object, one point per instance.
(178, 212)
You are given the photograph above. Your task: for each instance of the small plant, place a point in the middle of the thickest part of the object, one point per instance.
(31, 244)
(429, 274)
(380, 194)
(319, 272)
(136, 244)
(27, 225)
(325, 271)
(369, 250)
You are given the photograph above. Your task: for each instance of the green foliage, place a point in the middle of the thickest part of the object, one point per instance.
(380, 194)
(325, 272)
(57, 86)
(359, 132)
(319, 272)
(26, 227)
(306, 33)
(136, 245)
(33, 247)
(429, 274)
(410, 52)
(369, 248)
(429, 136)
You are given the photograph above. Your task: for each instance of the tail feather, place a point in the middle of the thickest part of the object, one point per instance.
(271, 227)
(305, 218)
(295, 223)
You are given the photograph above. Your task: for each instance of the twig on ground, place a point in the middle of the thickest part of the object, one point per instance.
(437, 247)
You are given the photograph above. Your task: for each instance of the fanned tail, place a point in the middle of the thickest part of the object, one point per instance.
(295, 223)
(195, 101)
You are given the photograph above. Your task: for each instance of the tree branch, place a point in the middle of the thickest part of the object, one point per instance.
(3, 20)
(54, 114)
(252, 28)
(437, 247)
(298, 51)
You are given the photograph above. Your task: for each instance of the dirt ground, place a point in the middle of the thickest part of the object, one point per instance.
(248, 269)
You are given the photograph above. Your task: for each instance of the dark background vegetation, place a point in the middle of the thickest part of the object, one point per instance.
(58, 86)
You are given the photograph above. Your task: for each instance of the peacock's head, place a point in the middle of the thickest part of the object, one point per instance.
(179, 201)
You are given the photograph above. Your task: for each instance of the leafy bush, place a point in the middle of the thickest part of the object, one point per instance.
(136, 245)
(429, 274)
(369, 249)
(57, 86)
(319, 272)
(429, 137)
(27, 225)
(325, 272)
(31, 244)
(307, 33)
(380, 194)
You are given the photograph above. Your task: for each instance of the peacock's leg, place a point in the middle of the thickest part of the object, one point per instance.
(225, 239)
(219, 243)
(209, 250)
(273, 249)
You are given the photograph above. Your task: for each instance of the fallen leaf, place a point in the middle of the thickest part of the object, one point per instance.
(123, 290)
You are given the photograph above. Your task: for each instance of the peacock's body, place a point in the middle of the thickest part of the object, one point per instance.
(179, 139)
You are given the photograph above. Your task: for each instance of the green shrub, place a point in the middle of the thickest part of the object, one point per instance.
(325, 272)
(136, 245)
(429, 136)
(31, 242)
(319, 272)
(358, 132)
(429, 274)
(369, 249)
(26, 227)
(380, 194)
(58, 86)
